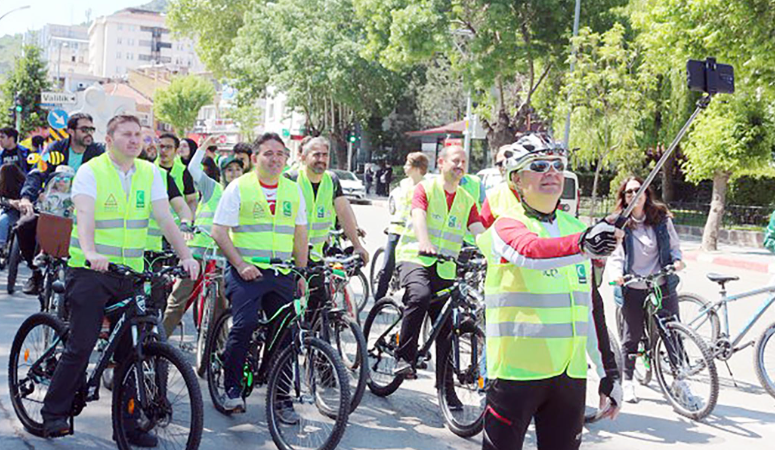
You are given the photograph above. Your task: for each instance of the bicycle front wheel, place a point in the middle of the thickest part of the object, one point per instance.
(216, 346)
(764, 359)
(172, 410)
(35, 353)
(377, 262)
(308, 397)
(686, 371)
(382, 329)
(208, 316)
(462, 392)
(347, 339)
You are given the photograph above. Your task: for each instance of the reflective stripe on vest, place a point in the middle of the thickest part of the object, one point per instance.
(446, 229)
(204, 219)
(537, 320)
(260, 233)
(120, 221)
(501, 199)
(321, 215)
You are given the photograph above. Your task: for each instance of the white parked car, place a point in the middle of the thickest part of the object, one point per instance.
(569, 202)
(353, 187)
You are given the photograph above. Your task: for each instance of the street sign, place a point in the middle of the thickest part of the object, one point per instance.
(57, 98)
(57, 119)
(222, 139)
(286, 132)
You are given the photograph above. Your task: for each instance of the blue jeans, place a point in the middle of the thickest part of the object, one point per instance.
(8, 219)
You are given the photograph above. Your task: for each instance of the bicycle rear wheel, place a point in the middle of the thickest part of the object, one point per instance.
(358, 290)
(216, 345)
(309, 379)
(377, 262)
(29, 373)
(764, 359)
(686, 371)
(173, 410)
(347, 339)
(694, 312)
(14, 259)
(382, 329)
(461, 394)
(208, 316)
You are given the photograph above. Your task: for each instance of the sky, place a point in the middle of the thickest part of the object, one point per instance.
(63, 12)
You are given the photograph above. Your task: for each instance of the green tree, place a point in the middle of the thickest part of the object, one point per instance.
(179, 103)
(246, 117)
(28, 79)
(735, 133)
(310, 50)
(605, 94)
(213, 23)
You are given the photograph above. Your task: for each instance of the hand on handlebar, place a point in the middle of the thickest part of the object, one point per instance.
(191, 266)
(427, 248)
(96, 261)
(248, 272)
(26, 207)
(363, 253)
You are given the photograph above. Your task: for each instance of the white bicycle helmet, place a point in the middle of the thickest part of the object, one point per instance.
(529, 148)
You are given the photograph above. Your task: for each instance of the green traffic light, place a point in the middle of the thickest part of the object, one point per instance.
(18, 108)
(352, 138)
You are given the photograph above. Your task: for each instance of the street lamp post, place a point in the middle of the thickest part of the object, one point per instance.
(468, 131)
(566, 140)
(14, 10)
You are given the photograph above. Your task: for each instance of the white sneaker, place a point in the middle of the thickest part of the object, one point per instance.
(683, 394)
(628, 388)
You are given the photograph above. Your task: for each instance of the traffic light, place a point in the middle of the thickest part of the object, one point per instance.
(17, 101)
(12, 114)
(353, 138)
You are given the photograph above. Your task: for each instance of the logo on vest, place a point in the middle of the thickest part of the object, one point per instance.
(111, 204)
(258, 210)
(436, 216)
(321, 212)
(287, 209)
(551, 273)
(452, 222)
(581, 273)
(140, 199)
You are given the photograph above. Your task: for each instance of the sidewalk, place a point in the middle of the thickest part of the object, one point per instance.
(748, 258)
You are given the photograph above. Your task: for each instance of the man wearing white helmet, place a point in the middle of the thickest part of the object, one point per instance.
(537, 297)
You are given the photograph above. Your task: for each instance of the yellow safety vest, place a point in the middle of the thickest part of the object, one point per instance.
(204, 218)
(177, 170)
(400, 206)
(120, 221)
(260, 234)
(446, 229)
(473, 185)
(501, 199)
(321, 214)
(537, 321)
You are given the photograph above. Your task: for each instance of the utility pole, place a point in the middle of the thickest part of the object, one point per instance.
(566, 140)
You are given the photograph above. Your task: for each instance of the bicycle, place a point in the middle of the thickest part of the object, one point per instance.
(151, 377)
(703, 317)
(377, 264)
(320, 395)
(334, 323)
(358, 284)
(664, 350)
(52, 295)
(464, 364)
(10, 253)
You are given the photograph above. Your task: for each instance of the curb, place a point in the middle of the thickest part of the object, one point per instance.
(727, 261)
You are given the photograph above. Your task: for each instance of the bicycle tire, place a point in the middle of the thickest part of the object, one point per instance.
(216, 342)
(376, 270)
(356, 365)
(44, 295)
(764, 372)
(14, 259)
(677, 328)
(472, 373)
(364, 299)
(708, 328)
(204, 328)
(338, 413)
(58, 329)
(377, 350)
(159, 409)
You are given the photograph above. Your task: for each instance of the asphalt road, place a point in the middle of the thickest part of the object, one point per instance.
(410, 418)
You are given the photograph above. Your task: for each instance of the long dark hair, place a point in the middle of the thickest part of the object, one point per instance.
(192, 147)
(11, 181)
(655, 210)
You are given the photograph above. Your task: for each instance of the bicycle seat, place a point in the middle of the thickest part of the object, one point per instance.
(721, 278)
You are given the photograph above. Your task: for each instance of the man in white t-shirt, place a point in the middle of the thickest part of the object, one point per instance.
(261, 216)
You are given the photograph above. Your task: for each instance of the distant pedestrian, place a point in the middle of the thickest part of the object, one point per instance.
(368, 178)
(10, 150)
(186, 150)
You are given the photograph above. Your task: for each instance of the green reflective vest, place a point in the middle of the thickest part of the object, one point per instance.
(472, 185)
(177, 170)
(446, 229)
(321, 214)
(537, 320)
(501, 199)
(400, 206)
(204, 219)
(153, 240)
(120, 221)
(261, 234)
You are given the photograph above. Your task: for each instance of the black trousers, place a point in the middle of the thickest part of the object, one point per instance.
(26, 233)
(420, 283)
(389, 267)
(88, 292)
(634, 317)
(556, 404)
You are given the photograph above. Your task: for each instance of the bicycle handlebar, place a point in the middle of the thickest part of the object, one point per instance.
(649, 279)
(148, 275)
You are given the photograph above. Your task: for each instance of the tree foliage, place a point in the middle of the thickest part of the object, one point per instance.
(247, 118)
(179, 103)
(28, 78)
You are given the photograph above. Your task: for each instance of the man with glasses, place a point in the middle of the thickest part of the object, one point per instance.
(537, 299)
(76, 150)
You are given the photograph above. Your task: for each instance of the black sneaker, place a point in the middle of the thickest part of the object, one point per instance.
(32, 286)
(56, 427)
(453, 402)
(140, 439)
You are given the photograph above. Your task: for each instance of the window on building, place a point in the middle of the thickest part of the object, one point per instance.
(119, 40)
(120, 27)
(144, 57)
(118, 55)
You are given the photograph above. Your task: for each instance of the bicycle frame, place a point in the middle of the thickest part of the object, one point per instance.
(722, 304)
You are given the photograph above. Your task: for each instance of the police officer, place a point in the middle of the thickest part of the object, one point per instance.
(441, 215)
(114, 195)
(261, 215)
(537, 296)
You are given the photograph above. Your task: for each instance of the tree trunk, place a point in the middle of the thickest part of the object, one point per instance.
(340, 144)
(668, 172)
(716, 213)
(501, 132)
(594, 191)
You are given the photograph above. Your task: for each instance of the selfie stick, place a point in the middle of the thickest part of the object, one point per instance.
(625, 215)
